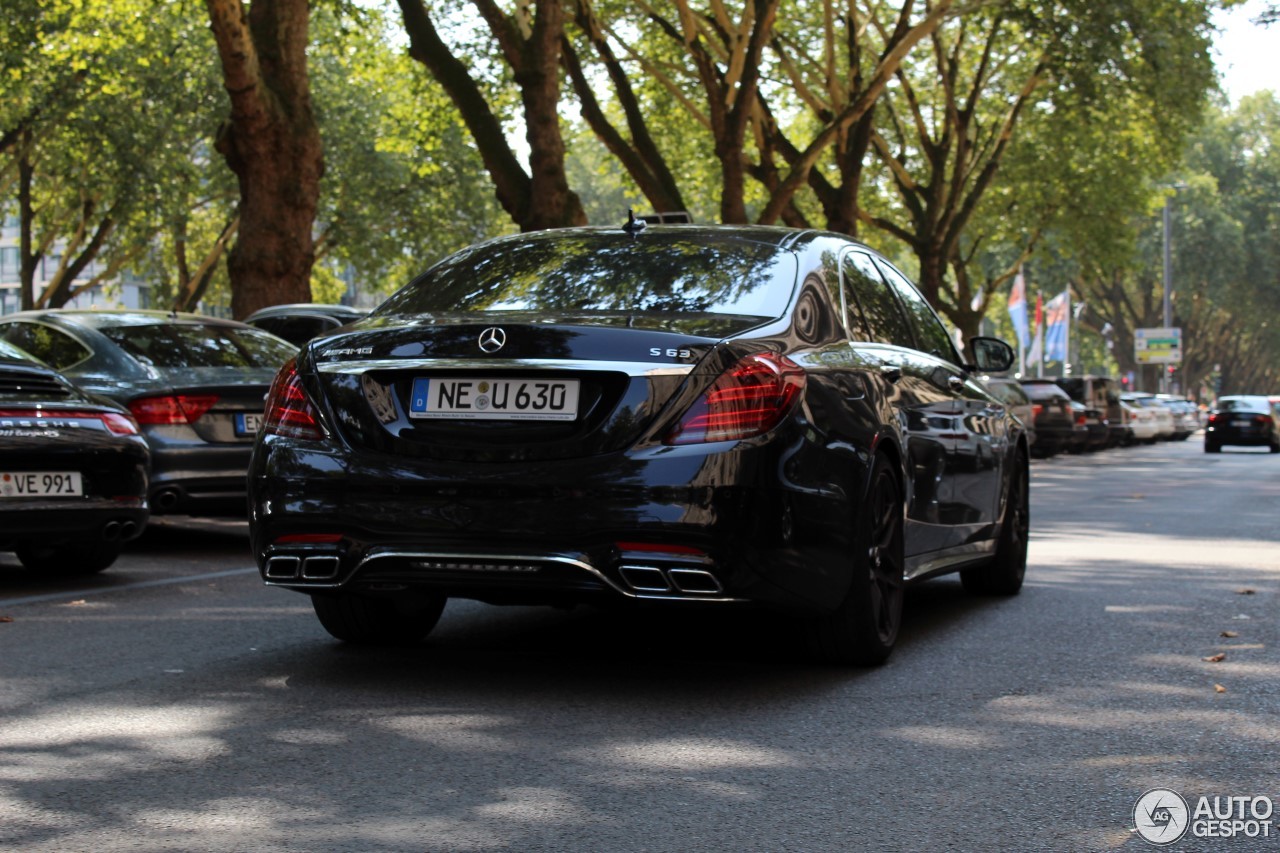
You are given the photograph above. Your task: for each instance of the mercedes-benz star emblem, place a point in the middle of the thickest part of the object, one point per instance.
(492, 339)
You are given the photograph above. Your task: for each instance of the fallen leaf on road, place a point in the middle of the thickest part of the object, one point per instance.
(1218, 688)
(1230, 635)
(6, 618)
(1218, 658)
(79, 602)
(1245, 591)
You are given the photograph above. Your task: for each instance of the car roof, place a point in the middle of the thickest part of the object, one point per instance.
(295, 309)
(95, 318)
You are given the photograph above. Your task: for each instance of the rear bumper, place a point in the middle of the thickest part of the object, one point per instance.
(49, 521)
(198, 478)
(721, 523)
(1238, 437)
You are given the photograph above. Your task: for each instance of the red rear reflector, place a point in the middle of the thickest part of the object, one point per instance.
(308, 539)
(173, 409)
(289, 411)
(748, 399)
(655, 548)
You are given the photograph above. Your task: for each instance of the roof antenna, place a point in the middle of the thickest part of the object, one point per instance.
(634, 226)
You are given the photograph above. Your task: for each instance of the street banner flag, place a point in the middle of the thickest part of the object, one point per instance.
(1018, 310)
(1035, 355)
(1057, 314)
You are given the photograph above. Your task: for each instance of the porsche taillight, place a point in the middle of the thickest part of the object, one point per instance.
(119, 424)
(289, 411)
(748, 399)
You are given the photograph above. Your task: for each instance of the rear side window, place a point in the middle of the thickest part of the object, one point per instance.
(1010, 395)
(182, 345)
(931, 335)
(866, 290)
(56, 349)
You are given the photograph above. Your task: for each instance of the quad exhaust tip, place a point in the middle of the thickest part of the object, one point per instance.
(321, 567)
(652, 579)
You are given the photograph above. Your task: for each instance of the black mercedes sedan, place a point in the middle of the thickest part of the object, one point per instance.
(671, 415)
(73, 471)
(195, 385)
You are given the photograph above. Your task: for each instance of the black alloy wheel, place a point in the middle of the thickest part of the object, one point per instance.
(68, 559)
(1004, 574)
(864, 628)
(365, 620)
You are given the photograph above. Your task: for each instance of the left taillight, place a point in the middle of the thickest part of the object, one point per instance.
(120, 424)
(289, 411)
(748, 399)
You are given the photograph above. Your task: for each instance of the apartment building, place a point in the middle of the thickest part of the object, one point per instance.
(125, 292)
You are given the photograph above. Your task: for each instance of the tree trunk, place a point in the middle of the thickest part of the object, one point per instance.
(272, 144)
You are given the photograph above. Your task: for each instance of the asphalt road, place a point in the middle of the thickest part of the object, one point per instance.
(173, 703)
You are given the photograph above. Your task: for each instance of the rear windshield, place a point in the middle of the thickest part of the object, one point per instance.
(189, 345)
(668, 273)
(1244, 405)
(1044, 391)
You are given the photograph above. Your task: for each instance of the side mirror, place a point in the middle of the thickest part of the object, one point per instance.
(991, 355)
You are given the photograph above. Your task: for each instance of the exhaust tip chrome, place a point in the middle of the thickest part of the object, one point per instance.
(318, 568)
(282, 568)
(645, 578)
(694, 581)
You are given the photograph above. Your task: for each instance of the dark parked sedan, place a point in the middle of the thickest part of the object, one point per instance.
(73, 471)
(299, 322)
(696, 416)
(1248, 421)
(194, 384)
(1055, 420)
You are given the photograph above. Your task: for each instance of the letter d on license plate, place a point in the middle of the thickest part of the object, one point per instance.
(486, 398)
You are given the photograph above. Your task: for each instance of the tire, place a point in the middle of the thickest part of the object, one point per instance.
(1004, 574)
(1275, 448)
(363, 620)
(863, 629)
(1210, 447)
(68, 559)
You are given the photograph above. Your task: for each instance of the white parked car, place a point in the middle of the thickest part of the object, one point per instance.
(1165, 427)
(1139, 422)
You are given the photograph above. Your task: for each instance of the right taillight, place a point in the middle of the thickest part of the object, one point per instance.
(289, 411)
(1036, 409)
(748, 399)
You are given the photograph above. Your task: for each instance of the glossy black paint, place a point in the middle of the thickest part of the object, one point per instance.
(47, 425)
(196, 468)
(1243, 421)
(566, 512)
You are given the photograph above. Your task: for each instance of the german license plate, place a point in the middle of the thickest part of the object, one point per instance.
(248, 423)
(1243, 422)
(42, 484)
(495, 399)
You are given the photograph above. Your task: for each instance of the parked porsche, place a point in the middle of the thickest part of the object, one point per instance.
(677, 415)
(194, 384)
(73, 471)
